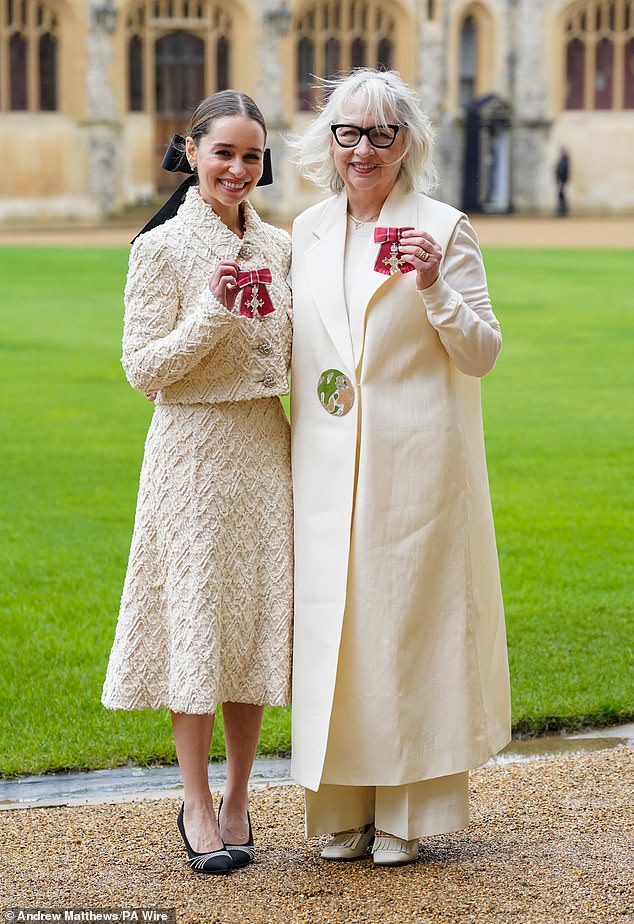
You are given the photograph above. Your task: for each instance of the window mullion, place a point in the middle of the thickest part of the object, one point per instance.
(590, 74)
(4, 58)
(618, 70)
(345, 42)
(372, 48)
(32, 48)
(211, 60)
(320, 53)
(149, 64)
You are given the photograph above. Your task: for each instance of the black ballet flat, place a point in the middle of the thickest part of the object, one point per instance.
(217, 861)
(241, 854)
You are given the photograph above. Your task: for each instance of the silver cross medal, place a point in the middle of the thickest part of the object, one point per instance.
(393, 261)
(255, 303)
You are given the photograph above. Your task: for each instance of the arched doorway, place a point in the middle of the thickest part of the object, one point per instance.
(180, 84)
(487, 159)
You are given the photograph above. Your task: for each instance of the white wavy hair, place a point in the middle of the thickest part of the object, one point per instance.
(388, 99)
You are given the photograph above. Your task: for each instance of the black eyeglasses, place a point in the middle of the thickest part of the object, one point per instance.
(379, 136)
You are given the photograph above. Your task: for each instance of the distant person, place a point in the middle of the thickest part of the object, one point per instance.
(400, 683)
(206, 611)
(562, 175)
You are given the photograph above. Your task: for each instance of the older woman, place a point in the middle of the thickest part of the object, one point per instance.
(400, 665)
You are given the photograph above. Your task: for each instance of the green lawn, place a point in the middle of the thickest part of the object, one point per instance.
(560, 433)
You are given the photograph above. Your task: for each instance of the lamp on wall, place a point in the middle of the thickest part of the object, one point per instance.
(278, 19)
(104, 16)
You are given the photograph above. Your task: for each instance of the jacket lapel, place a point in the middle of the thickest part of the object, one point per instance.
(399, 210)
(324, 265)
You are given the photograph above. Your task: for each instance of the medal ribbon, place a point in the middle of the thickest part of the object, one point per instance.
(388, 260)
(253, 299)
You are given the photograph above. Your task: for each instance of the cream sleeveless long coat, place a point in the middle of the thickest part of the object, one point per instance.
(393, 526)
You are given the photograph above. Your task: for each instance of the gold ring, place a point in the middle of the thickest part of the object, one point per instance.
(422, 254)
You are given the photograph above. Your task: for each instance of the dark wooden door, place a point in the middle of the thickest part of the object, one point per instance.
(180, 86)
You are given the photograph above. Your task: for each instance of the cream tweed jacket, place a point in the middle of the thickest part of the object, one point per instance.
(206, 608)
(178, 339)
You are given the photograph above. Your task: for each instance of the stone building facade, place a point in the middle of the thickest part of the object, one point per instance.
(91, 91)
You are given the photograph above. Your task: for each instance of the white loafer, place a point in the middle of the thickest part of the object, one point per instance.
(349, 845)
(393, 851)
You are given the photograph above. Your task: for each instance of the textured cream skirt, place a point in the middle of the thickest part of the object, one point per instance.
(206, 610)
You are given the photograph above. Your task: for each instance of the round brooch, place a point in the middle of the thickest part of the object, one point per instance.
(335, 392)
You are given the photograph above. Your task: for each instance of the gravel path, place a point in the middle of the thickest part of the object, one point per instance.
(548, 842)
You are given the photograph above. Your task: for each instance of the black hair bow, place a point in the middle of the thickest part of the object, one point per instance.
(175, 161)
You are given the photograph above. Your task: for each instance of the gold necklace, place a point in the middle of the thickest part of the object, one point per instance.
(357, 224)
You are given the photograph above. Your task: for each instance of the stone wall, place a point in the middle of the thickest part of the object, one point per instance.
(93, 158)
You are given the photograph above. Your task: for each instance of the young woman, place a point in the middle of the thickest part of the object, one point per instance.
(207, 603)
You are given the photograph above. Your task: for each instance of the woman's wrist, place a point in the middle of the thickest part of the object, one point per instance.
(426, 287)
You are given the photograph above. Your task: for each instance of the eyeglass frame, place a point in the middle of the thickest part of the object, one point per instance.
(366, 132)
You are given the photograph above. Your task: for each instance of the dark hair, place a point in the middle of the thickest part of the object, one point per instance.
(217, 106)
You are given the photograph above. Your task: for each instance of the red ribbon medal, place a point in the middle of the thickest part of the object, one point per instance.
(388, 260)
(255, 301)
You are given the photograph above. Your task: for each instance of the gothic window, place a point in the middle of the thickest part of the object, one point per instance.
(305, 68)
(599, 37)
(135, 73)
(332, 57)
(628, 62)
(385, 54)
(29, 56)
(18, 46)
(48, 71)
(222, 63)
(468, 61)
(357, 53)
(335, 35)
(575, 74)
(603, 73)
(171, 69)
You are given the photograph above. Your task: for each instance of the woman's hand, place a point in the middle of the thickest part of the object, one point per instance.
(223, 283)
(422, 251)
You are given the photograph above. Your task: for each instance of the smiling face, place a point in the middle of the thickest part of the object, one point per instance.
(229, 163)
(368, 173)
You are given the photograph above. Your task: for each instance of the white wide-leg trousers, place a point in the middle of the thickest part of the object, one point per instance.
(413, 810)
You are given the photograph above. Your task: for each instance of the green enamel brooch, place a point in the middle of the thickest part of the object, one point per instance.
(335, 392)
